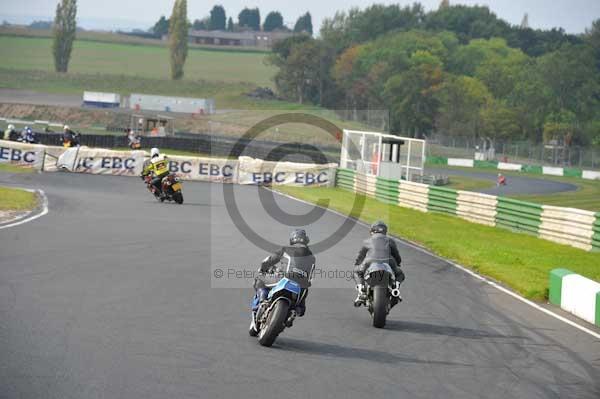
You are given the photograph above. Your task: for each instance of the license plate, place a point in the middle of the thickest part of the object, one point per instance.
(176, 187)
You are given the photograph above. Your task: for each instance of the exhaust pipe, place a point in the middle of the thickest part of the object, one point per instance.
(396, 293)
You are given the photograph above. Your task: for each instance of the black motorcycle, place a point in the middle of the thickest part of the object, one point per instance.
(171, 188)
(382, 292)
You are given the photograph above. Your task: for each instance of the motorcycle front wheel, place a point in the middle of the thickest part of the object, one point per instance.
(178, 197)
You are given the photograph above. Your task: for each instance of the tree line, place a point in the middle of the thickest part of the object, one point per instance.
(458, 70)
(248, 19)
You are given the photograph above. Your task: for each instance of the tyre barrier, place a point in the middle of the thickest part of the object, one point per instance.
(243, 170)
(575, 227)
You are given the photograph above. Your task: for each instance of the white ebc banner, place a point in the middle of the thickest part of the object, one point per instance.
(100, 161)
(257, 171)
(244, 170)
(204, 169)
(22, 154)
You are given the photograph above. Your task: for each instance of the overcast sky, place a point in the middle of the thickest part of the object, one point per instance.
(572, 15)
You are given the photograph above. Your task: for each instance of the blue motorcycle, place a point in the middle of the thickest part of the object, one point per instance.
(271, 316)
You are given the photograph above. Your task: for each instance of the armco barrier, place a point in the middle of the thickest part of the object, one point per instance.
(574, 227)
(485, 164)
(569, 226)
(535, 169)
(442, 200)
(387, 190)
(477, 208)
(344, 178)
(365, 184)
(596, 236)
(413, 195)
(575, 294)
(518, 215)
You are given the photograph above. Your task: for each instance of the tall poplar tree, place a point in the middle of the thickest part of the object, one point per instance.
(63, 33)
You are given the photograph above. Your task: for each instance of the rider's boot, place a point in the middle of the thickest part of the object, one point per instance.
(361, 298)
(290, 320)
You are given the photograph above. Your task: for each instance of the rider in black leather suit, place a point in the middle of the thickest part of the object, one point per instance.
(377, 248)
(295, 262)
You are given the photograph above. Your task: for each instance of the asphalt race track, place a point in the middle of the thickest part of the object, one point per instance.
(515, 184)
(109, 296)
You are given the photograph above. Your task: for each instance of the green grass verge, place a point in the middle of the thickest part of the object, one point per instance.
(148, 61)
(12, 199)
(520, 261)
(8, 168)
(587, 195)
(468, 183)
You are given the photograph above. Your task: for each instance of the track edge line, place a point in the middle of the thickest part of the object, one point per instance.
(28, 217)
(460, 267)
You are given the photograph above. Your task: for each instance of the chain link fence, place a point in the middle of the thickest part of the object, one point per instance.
(523, 152)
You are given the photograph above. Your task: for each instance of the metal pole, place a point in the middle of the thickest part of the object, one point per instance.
(380, 154)
(422, 156)
(344, 157)
(408, 161)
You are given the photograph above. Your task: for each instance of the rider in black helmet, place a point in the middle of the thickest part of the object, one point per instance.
(295, 262)
(380, 248)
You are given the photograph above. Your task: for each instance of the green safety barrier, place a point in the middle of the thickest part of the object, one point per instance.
(572, 172)
(598, 309)
(515, 215)
(386, 190)
(596, 236)
(569, 298)
(555, 285)
(344, 178)
(518, 215)
(442, 200)
(536, 169)
(436, 161)
(485, 164)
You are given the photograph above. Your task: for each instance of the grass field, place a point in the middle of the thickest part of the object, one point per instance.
(134, 68)
(468, 183)
(146, 61)
(520, 261)
(16, 200)
(8, 168)
(587, 195)
(115, 37)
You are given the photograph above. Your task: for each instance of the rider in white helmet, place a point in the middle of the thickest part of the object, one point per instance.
(10, 133)
(69, 136)
(158, 167)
